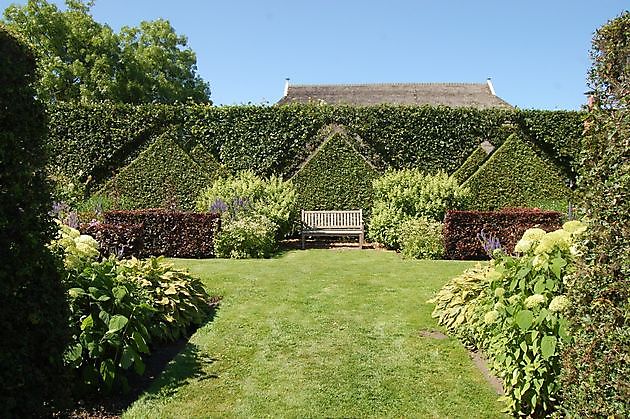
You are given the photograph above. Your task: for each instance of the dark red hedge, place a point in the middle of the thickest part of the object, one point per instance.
(122, 240)
(168, 233)
(461, 229)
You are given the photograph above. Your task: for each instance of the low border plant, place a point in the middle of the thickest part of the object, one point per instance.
(513, 310)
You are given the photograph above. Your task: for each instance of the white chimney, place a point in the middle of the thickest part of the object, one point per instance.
(286, 86)
(491, 86)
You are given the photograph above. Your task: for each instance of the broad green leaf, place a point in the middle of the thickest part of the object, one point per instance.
(539, 288)
(138, 366)
(74, 353)
(117, 322)
(548, 346)
(119, 293)
(87, 323)
(556, 266)
(524, 319)
(128, 356)
(140, 342)
(108, 372)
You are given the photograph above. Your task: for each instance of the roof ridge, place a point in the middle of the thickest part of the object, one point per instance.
(390, 84)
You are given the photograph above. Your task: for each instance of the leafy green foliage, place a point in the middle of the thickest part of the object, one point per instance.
(247, 236)
(163, 176)
(421, 239)
(248, 194)
(596, 372)
(335, 177)
(471, 165)
(82, 60)
(407, 194)
(558, 134)
(33, 313)
(90, 142)
(514, 311)
(516, 175)
(117, 308)
(94, 140)
(456, 302)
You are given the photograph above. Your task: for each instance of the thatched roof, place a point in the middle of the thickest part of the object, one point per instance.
(476, 95)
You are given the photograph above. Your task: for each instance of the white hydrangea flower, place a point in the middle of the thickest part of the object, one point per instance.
(534, 300)
(499, 292)
(522, 246)
(558, 238)
(491, 317)
(558, 304)
(534, 234)
(574, 227)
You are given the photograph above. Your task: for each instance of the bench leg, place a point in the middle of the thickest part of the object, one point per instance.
(361, 241)
(303, 244)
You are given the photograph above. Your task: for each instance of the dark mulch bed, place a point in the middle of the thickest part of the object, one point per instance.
(110, 407)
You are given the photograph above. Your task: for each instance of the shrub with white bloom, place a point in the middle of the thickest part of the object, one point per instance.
(558, 304)
(533, 234)
(534, 300)
(491, 317)
(559, 238)
(574, 227)
(499, 292)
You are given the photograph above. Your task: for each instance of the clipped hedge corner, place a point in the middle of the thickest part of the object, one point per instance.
(335, 177)
(164, 176)
(516, 175)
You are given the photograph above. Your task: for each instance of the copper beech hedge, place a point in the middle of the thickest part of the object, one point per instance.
(462, 229)
(155, 232)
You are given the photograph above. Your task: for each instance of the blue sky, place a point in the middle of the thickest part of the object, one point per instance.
(537, 52)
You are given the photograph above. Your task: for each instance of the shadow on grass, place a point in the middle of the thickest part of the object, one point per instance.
(174, 366)
(169, 366)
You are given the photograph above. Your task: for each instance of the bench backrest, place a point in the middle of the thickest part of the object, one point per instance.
(333, 219)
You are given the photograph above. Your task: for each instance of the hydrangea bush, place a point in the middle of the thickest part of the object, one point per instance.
(513, 310)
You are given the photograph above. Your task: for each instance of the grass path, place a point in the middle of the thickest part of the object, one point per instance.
(321, 333)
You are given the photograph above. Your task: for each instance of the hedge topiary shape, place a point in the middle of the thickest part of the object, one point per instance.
(472, 163)
(163, 176)
(335, 177)
(516, 175)
(207, 161)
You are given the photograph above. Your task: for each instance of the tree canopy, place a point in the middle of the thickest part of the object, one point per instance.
(85, 61)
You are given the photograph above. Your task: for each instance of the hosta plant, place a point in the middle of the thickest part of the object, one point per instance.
(117, 308)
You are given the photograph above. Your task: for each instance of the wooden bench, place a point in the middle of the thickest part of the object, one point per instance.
(333, 223)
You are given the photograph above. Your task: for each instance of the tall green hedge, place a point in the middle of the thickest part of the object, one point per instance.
(33, 311)
(163, 176)
(596, 367)
(335, 177)
(471, 165)
(95, 140)
(99, 139)
(517, 174)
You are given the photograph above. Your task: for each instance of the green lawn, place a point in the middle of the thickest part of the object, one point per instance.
(321, 333)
